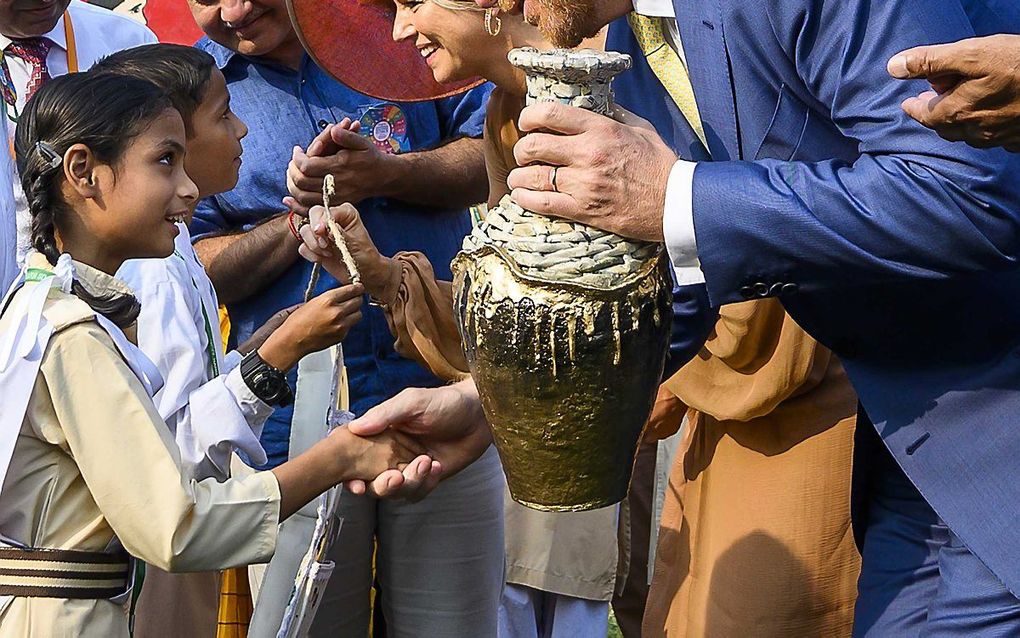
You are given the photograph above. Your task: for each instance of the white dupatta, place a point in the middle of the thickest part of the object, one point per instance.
(22, 347)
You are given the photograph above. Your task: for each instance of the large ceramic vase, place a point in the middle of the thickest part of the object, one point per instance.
(565, 327)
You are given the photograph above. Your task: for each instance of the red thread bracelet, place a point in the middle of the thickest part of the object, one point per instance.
(293, 228)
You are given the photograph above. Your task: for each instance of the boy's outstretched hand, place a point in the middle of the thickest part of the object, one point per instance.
(314, 326)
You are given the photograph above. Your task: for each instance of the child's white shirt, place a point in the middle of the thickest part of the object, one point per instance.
(210, 415)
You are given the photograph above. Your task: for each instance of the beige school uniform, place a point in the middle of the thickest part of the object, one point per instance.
(94, 468)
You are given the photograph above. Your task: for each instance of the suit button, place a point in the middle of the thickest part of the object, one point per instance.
(747, 292)
(790, 289)
(776, 290)
(761, 290)
(918, 443)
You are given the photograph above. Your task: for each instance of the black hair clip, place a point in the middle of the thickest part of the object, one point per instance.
(53, 159)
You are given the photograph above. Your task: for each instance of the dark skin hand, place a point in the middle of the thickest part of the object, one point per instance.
(975, 89)
(316, 325)
(451, 175)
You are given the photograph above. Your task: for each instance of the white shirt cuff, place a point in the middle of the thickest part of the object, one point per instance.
(230, 361)
(254, 409)
(678, 224)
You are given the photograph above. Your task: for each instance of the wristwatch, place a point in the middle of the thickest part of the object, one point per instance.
(265, 381)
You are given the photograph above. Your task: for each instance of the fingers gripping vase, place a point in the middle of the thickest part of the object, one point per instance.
(565, 327)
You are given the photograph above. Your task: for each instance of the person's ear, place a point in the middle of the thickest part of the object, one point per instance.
(80, 171)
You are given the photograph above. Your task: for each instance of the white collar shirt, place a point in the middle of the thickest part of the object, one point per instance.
(655, 8)
(98, 32)
(678, 215)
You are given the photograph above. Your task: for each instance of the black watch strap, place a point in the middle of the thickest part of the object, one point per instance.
(265, 381)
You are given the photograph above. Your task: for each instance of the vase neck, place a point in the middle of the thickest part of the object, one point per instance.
(578, 78)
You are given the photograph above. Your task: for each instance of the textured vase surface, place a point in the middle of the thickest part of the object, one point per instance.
(565, 326)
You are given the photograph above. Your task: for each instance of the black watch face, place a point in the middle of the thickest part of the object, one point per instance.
(266, 386)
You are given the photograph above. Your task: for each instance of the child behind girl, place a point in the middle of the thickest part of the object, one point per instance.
(90, 472)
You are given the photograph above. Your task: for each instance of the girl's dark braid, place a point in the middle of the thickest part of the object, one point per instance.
(41, 206)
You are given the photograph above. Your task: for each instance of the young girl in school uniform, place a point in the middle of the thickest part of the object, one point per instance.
(90, 473)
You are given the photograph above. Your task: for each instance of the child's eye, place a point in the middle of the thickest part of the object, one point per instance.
(167, 158)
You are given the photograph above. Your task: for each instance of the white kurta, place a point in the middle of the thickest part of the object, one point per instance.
(94, 466)
(209, 415)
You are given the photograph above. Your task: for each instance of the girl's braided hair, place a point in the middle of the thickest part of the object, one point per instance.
(102, 111)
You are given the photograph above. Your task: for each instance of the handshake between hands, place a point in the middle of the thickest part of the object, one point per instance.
(403, 447)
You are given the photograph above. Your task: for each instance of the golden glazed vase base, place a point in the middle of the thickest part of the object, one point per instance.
(567, 374)
(565, 326)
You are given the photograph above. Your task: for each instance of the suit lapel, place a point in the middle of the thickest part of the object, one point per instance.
(640, 91)
(701, 31)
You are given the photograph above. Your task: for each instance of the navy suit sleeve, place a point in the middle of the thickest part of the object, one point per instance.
(693, 321)
(910, 206)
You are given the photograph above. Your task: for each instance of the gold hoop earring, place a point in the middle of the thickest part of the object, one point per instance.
(490, 28)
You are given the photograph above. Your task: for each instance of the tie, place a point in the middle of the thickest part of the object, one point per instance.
(667, 66)
(34, 52)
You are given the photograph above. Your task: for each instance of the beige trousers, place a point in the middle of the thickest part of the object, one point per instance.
(439, 562)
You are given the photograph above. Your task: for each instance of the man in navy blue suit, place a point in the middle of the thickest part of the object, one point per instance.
(893, 247)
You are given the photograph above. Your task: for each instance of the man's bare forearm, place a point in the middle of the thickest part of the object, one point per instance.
(242, 264)
(449, 176)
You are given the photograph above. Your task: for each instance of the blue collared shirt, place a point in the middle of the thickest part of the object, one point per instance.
(284, 108)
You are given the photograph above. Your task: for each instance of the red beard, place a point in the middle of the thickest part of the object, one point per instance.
(565, 23)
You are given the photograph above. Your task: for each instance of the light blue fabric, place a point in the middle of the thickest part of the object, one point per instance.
(8, 220)
(525, 612)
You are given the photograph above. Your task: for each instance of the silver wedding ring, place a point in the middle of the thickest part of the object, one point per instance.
(552, 178)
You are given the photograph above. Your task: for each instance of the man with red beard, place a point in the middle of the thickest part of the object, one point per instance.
(880, 239)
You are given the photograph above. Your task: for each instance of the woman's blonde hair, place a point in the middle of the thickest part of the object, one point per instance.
(459, 5)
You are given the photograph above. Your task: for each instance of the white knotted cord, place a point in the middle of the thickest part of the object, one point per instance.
(328, 190)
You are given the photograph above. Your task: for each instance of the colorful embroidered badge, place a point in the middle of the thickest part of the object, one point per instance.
(386, 126)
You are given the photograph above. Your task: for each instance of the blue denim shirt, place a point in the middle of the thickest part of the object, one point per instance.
(284, 108)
